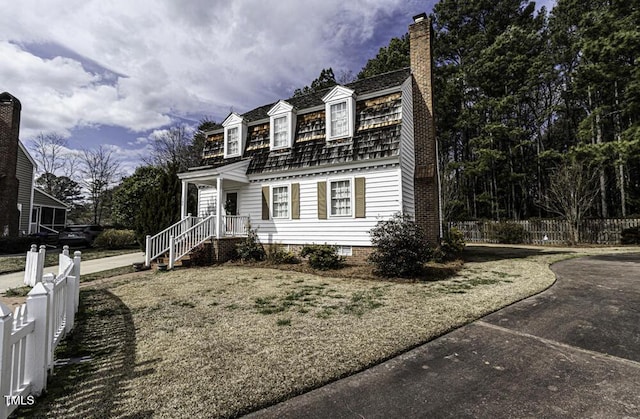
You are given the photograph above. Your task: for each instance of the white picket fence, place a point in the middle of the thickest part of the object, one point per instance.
(29, 335)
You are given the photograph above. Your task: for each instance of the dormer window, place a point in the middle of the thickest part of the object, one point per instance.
(282, 125)
(233, 141)
(340, 109)
(235, 130)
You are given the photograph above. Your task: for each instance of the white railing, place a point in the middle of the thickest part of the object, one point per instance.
(178, 240)
(159, 244)
(29, 336)
(235, 225)
(183, 243)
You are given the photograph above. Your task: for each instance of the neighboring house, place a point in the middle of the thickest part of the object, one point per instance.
(48, 214)
(324, 167)
(24, 209)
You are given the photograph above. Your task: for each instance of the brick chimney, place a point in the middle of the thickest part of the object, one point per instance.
(9, 130)
(426, 183)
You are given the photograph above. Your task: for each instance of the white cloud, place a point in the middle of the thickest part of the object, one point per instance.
(174, 58)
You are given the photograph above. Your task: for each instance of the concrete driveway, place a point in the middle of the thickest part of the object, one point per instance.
(572, 351)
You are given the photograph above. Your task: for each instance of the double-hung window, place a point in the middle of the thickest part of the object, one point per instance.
(233, 141)
(340, 198)
(282, 123)
(280, 199)
(340, 110)
(280, 132)
(235, 131)
(339, 120)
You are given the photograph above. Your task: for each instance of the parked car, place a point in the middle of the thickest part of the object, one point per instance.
(79, 235)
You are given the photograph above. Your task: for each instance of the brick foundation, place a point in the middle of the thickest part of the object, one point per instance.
(358, 256)
(225, 249)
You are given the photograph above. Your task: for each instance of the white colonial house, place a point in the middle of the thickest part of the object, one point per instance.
(319, 168)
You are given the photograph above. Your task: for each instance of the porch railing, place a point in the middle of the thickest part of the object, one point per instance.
(159, 244)
(235, 225)
(183, 243)
(186, 234)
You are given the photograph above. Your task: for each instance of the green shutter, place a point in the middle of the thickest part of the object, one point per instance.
(360, 199)
(322, 200)
(265, 202)
(295, 201)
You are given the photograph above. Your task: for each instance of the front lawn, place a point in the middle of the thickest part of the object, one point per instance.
(227, 340)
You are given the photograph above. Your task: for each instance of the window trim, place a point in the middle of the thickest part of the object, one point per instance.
(228, 154)
(273, 206)
(352, 212)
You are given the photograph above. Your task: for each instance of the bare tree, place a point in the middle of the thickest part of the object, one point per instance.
(173, 147)
(49, 153)
(573, 188)
(99, 171)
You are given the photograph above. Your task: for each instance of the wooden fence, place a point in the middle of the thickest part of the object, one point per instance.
(29, 335)
(557, 232)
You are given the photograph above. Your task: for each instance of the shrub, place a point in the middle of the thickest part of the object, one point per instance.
(400, 247)
(115, 239)
(276, 255)
(508, 233)
(9, 245)
(322, 256)
(452, 244)
(250, 249)
(630, 235)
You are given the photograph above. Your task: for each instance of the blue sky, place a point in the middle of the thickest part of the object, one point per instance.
(116, 73)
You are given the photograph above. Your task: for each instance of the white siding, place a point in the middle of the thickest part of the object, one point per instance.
(407, 155)
(206, 201)
(381, 202)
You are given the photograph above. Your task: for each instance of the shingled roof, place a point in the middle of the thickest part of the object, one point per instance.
(377, 131)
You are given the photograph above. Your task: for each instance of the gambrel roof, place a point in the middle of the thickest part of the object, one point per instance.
(377, 130)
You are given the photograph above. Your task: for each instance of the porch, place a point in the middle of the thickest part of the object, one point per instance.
(182, 237)
(218, 218)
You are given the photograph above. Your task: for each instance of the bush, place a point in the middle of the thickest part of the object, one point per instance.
(9, 245)
(322, 256)
(250, 249)
(400, 247)
(508, 233)
(630, 235)
(115, 239)
(452, 244)
(276, 255)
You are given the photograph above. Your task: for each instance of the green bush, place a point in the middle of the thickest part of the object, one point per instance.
(115, 239)
(452, 244)
(630, 235)
(400, 248)
(508, 233)
(9, 245)
(276, 255)
(322, 256)
(250, 249)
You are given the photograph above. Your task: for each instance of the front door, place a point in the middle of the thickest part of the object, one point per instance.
(231, 203)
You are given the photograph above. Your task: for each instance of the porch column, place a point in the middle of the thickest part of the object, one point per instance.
(183, 199)
(218, 206)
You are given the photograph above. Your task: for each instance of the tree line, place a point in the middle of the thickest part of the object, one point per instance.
(526, 100)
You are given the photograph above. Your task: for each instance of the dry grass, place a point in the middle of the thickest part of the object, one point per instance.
(223, 341)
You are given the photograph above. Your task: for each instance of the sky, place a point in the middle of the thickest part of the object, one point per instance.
(118, 73)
